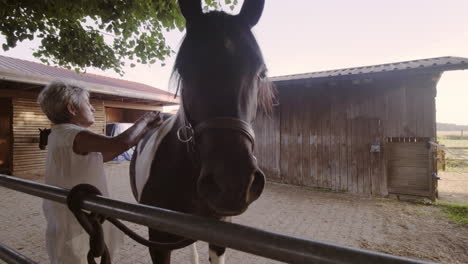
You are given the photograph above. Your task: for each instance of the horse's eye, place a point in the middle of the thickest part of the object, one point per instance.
(263, 74)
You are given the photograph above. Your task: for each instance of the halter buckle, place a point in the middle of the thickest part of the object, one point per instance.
(187, 135)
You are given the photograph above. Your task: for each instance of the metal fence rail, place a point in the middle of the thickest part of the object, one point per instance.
(10, 256)
(247, 239)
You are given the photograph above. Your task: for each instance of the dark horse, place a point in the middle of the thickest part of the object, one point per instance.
(204, 164)
(43, 137)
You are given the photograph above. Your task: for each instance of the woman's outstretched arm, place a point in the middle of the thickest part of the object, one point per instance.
(111, 147)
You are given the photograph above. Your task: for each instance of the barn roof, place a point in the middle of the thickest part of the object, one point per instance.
(426, 65)
(37, 75)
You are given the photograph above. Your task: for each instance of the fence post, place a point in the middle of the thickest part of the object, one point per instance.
(441, 161)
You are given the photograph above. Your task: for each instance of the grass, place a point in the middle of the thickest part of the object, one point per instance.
(453, 140)
(456, 212)
(449, 133)
(450, 143)
(422, 201)
(456, 166)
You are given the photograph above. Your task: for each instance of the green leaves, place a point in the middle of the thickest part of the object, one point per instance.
(94, 33)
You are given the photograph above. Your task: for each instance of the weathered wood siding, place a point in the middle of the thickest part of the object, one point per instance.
(325, 139)
(6, 111)
(122, 115)
(326, 130)
(99, 125)
(28, 117)
(267, 147)
(408, 168)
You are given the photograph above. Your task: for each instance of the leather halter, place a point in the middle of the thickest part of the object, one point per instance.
(235, 124)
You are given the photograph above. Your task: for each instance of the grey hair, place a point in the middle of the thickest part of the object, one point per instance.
(55, 97)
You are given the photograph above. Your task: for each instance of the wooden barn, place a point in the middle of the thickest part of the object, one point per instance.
(115, 100)
(364, 130)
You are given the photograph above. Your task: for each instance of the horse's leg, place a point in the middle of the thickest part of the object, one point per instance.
(217, 254)
(194, 257)
(160, 256)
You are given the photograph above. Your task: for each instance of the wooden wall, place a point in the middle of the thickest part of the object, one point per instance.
(28, 117)
(322, 133)
(121, 115)
(267, 147)
(6, 112)
(409, 164)
(99, 125)
(28, 159)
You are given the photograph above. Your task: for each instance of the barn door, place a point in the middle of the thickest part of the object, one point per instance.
(410, 167)
(363, 159)
(5, 135)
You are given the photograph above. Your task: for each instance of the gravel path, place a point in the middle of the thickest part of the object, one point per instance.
(385, 225)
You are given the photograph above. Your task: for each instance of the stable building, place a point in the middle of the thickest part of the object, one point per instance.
(364, 130)
(115, 100)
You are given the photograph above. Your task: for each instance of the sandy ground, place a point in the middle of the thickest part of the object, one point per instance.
(385, 225)
(453, 187)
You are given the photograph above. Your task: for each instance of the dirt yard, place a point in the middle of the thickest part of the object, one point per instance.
(453, 187)
(385, 225)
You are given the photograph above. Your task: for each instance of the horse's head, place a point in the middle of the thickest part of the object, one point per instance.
(222, 77)
(43, 136)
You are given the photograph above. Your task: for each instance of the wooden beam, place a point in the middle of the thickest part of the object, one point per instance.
(131, 106)
(31, 87)
(16, 93)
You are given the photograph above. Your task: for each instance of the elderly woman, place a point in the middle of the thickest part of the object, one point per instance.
(76, 155)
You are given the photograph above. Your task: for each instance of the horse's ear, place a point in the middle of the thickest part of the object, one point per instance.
(191, 9)
(251, 11)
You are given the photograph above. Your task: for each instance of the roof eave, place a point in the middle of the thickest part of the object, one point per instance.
(93, 88)
(435, 69)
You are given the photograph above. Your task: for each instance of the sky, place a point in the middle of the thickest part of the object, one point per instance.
(299, 36)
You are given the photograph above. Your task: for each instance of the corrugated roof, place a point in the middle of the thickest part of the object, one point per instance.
(15, 69)
(436, 64)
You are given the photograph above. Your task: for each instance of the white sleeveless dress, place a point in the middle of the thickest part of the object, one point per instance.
(67, 242)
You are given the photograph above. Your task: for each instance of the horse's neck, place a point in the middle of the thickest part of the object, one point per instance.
(184, 170)
(180, 152)
(182, 166)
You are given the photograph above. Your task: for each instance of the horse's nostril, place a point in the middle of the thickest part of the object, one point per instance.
(257, 186)
(227, 198)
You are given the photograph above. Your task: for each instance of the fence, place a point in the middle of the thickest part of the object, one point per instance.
(12, 257)
(247, 239)
(452, 157)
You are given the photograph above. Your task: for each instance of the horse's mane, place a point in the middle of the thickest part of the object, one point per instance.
(200, 53)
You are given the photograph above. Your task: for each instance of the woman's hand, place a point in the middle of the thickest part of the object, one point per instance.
(152, 119)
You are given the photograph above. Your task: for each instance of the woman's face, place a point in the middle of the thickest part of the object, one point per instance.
(84, 114)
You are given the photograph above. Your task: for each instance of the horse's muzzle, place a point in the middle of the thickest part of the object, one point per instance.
(232, 198)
